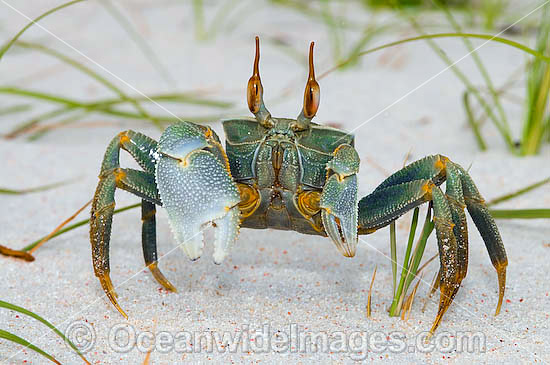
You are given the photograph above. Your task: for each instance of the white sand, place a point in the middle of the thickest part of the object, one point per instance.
(272, 278)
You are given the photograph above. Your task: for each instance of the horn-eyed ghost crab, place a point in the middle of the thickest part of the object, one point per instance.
(279, 173)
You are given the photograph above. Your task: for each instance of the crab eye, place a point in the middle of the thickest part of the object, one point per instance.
(255, 89)
(312, 94)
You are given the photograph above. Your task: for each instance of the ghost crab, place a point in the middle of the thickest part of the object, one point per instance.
(289, 174)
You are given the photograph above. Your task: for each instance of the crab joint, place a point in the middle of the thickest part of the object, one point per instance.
(345, 162)
(183, 162)
(119, 175)
(427, 189)
(441, 163)
(308, 203)
(149, 215)
(250, 199)
(123, 138)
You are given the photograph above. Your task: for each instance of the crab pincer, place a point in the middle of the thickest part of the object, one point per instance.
(339, 199)
(196, 188)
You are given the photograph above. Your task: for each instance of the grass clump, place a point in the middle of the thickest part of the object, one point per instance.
(537, 120)
(536, 125)
(74, 110)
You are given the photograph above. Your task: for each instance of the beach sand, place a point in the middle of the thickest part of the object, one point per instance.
(397, 102)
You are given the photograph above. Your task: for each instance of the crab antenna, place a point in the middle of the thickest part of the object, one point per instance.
(255, 92)
(311, 95)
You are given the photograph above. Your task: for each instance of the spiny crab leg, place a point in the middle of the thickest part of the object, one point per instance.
(418, 183)
(149, 243)
(140, 183)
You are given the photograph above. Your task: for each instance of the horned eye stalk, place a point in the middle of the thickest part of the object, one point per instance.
(255, 95)
(312, 95)
(255, 92)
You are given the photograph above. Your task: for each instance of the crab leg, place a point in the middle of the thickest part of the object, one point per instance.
(418, 183)
(488, 229)
(384, 206)
(455, 197)
(141, 183)
(149, 243)
(449, 280)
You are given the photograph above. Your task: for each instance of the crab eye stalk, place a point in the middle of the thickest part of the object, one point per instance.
(255, 89)
(312, 96)
(255, 92)
(312, 93)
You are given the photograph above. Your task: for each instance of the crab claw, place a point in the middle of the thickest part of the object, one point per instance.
(226, 232)
(196, 188)
(339, 200)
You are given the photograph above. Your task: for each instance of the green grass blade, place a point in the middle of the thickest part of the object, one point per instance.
(101, 106)
(19, 108)
(288, 49)
(472, 122)
(42, 96)
(427, 230)
(98, 107)
(306, 9)
(21, 341)
(492, 10)
(538, 92)
(82, 68)
(183, 98)
(26, 312)
(520, 213)
(534, 127)
(368, 34)
(504, 131)
(161, 119)
(198, 14)
(43, 130)
(333, 29)
(481, 67)
(35, 189)
(29, 124)
(519, 192)
(73, 63)
(139, 41)
(76, 225)
(220, 17)
(393, 249)
(488, 37)
(7, 46)
(395, 308)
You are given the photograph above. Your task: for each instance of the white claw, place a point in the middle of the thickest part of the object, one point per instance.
(193, 246)
(196, 189)
(227, 229)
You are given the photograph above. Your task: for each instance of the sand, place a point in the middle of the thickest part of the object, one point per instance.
(275, 285)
